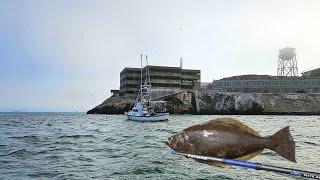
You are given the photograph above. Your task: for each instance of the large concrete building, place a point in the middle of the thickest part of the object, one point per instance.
(162, 78)
(267, 84)
(287, 80)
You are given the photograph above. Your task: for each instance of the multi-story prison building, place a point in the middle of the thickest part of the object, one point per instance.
(162, 78)
(267, 84)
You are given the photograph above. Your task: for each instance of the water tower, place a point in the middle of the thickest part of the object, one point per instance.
(287, 63)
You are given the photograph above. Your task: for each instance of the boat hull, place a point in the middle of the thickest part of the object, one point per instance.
(151, 118)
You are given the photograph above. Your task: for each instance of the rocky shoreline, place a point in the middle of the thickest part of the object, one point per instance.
(226, 103)
(261, 104)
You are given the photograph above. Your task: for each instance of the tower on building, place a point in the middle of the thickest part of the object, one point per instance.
(287, 62)
(181, 62)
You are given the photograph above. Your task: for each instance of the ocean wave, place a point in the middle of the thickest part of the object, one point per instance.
(48, 151)
(127, 136)
(19, 153)
(310, 143)
(82, 158)
(97, 130)
(77, 136)
(122, 141)
(167, 130)
(149, 137)
(118, 173)
(146, 146)
(106, 149)
(109, 139)
(148, 170)
(43, 175)
(28, 137)
(53, 157)
(217, 177)
(157, 162)
(62, 142)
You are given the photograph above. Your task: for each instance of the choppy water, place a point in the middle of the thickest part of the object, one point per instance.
(80, 146)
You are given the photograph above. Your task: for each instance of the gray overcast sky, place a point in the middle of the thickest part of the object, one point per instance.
(66, 55)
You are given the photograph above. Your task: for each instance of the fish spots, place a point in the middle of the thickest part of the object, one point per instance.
(186, 137)
(207, 133)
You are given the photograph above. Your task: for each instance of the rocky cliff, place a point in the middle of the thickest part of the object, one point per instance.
(225, 103)
(113, 105)
(120, 105)
(256, 103)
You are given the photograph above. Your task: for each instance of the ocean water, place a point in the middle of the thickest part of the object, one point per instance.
(80, 146)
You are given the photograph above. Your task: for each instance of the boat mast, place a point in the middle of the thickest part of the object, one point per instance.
(146, 80)
(149, 81)
(140, 76)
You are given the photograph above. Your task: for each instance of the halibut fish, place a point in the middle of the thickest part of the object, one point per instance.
(230, 139)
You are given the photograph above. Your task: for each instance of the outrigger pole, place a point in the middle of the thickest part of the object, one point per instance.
(253, 165)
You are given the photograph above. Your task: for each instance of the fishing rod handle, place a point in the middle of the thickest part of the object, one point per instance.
(258, 166)
(253, 165)
(294, 172)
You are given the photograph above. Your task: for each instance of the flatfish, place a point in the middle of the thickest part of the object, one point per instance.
(230, 139)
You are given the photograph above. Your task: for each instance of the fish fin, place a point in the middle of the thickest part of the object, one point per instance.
(249, 156)
(284, 144)
(242, 126)
(225, 122)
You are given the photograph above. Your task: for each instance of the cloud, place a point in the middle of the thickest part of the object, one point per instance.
(67, 55)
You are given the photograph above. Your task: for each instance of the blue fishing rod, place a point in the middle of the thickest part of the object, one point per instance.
(253, 165)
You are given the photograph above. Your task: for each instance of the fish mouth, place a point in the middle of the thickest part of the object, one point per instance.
(168, 143)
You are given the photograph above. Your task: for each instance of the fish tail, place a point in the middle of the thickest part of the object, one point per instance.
(284, 144)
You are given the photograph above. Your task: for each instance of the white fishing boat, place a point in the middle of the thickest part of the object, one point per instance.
(143, 109)
(139, 113)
